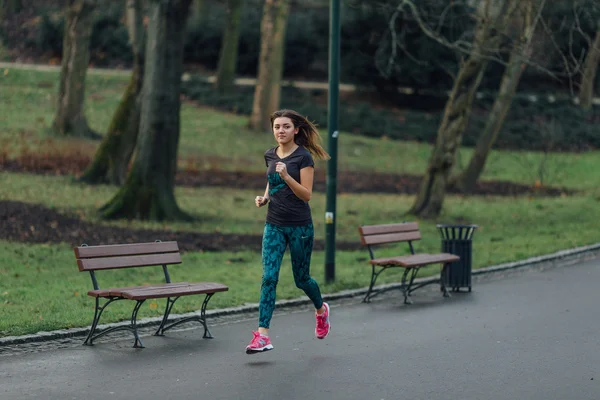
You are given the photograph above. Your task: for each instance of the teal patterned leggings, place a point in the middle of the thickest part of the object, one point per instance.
(275, 240)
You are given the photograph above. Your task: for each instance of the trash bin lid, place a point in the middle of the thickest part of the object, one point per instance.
(456, 231)
(456, 226)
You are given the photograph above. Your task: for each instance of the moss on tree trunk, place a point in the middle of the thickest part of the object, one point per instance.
(111, 161)
(148, 192)
(112, 158)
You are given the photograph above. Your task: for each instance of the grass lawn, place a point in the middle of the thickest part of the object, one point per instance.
(41, 288)
(208, 137)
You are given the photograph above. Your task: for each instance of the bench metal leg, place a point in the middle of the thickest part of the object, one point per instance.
(161, 329)
(443, 283)
(408, 289)
(405, 288)
(407, 285)
(138, 342)
(132, 327)
(97, 313)
(374, 275)
(202, 318)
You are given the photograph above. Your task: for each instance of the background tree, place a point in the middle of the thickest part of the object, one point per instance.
(491, 17)
(229, 48)
(526, 20)
(70, 118)
(148, 192)
(112, 158)
(588, 75)
(270, 67)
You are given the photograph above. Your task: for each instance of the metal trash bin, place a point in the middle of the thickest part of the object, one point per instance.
(458, 240)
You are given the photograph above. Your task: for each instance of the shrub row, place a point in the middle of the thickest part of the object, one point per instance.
(539, 125)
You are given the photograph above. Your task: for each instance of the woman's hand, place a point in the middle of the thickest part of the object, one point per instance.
(281, 168)
(261, 201)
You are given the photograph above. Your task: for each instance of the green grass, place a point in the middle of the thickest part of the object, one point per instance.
(37, 279)
(211, 139)
(41, 288)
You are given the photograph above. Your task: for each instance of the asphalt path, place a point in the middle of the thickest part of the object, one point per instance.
(529, 335)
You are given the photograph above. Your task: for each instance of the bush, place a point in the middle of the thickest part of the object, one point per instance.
(540, 126)
(360, 118)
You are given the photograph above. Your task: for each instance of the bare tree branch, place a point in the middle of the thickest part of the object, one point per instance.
(464, 45)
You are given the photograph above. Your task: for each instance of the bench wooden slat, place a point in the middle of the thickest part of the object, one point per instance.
(388, 228)
(92, 264)
(125, 249)
(390, 238)
(416, 260)
(158, 292)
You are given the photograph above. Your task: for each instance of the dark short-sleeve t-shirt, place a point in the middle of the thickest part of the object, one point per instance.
(285, 208)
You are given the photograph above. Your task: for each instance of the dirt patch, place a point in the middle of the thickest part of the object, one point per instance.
(30, 223)
(348, 181)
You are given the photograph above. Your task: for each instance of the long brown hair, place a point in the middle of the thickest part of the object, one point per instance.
(307, 136)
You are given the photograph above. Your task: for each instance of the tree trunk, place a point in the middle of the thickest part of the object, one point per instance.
(148, 192)
(508, 87)
(278, 59)
(272, 34)
(588, 77)
(198, 10)
(430, 199)
(229, 48)
(70, 118)
(112, 158)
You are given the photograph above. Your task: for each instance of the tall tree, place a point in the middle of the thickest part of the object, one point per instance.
(112, 158)
(70, 118)
(491, 17)
(588, 76)
(148, 192)
(270, 65)
(229, 48)
(526, 20)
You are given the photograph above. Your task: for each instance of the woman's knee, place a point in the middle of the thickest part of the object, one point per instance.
(303, 283)
(269, 281)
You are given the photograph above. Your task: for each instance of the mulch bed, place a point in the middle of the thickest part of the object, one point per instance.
(31, 223)
(347, 181)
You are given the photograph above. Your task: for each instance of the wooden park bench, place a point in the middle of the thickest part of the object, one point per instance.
(373, 235)
(97, 258)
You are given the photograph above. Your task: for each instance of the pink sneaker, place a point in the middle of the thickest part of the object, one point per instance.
(259, 344)
(323, 325)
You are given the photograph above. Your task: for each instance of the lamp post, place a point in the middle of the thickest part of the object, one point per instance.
(333, 133)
